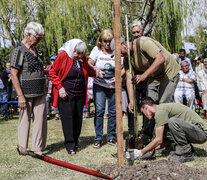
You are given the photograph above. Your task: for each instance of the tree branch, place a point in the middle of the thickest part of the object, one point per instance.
(149, 30)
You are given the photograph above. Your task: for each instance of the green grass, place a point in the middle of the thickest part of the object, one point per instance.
(13, 166)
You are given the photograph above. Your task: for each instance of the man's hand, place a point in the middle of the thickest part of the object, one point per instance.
(21, 102)
(138, 78)
(133, 154)
(131, 107)
(62, 93)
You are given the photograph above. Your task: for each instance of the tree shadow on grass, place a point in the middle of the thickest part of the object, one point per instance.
(55, 147)
(84, 142)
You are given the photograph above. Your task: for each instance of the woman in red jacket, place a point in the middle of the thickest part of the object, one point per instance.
(69, 74)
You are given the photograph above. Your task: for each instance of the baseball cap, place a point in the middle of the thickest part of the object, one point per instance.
(53, 58)
(197, 58)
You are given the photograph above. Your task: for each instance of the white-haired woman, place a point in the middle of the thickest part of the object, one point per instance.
(69, 74)
(28, 79)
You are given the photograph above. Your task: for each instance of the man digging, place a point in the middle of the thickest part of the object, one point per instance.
(184, 125)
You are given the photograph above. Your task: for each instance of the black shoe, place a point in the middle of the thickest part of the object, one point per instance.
(182, 158)
(112, 142)
(48, 117)
(77, 148)
(71, 152)
(6, 118)
(97, 144)
(22, 151)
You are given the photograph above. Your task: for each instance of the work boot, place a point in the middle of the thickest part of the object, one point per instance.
(182, 158)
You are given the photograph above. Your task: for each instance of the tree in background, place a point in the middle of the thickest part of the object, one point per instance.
(84, 19)
(201, 41)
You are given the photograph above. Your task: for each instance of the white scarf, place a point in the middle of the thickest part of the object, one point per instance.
(69, 47)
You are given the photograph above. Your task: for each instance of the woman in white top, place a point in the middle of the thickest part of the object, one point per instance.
(102, 60)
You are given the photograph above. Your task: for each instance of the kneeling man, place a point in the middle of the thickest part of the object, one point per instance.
(184, 124)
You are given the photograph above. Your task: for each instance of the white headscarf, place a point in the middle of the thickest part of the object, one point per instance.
(69, 47)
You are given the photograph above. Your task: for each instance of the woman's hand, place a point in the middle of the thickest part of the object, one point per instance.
(21, 102)
(99, 73)
(62, 93)
(112, 81)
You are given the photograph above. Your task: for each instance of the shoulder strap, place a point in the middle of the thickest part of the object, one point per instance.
(138, 49)
(140, 64)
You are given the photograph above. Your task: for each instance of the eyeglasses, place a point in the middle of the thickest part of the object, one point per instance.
(105, 41)
(136, 32)
(38, 38)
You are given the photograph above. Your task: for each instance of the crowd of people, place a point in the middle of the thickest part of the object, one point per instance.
(72, 81)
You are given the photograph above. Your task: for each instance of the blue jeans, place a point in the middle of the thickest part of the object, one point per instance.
(48, 106)
(100, 94)
(4, 97)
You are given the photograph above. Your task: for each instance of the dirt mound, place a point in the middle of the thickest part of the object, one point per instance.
(154, 170)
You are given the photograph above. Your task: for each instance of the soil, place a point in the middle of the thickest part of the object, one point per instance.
(153, 170)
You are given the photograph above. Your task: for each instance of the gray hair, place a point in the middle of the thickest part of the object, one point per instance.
(137, 22)
(34, 28)
(205, 60)
(184, 62)
(81, 47)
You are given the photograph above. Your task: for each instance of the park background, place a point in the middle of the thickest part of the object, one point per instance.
(176, 22)
(171, 22)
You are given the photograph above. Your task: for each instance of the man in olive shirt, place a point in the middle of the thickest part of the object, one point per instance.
(185, 127)
(150, 57)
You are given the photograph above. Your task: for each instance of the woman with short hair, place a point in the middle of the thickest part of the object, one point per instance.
(28, 79)
(69, 75)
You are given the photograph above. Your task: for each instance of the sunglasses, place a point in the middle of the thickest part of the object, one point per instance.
(38, 38)
(105, 41)
(136, 32)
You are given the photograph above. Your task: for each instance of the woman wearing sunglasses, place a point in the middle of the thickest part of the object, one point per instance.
(102, 60)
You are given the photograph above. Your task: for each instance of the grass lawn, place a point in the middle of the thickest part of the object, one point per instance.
(13, 166)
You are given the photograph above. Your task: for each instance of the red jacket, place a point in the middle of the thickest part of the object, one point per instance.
(60, 69)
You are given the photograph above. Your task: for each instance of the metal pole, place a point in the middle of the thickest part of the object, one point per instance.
(118, 84)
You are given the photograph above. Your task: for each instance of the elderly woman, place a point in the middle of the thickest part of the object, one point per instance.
(28, 79)
(69, 74)
(103, 62)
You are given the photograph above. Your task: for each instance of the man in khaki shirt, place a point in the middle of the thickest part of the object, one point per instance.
(183, 124)
(158, 64)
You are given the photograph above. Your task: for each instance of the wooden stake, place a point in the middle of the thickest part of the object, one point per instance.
(118, 83)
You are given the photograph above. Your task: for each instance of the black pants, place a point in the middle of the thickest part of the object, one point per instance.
(148, 126)
(71, 113)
